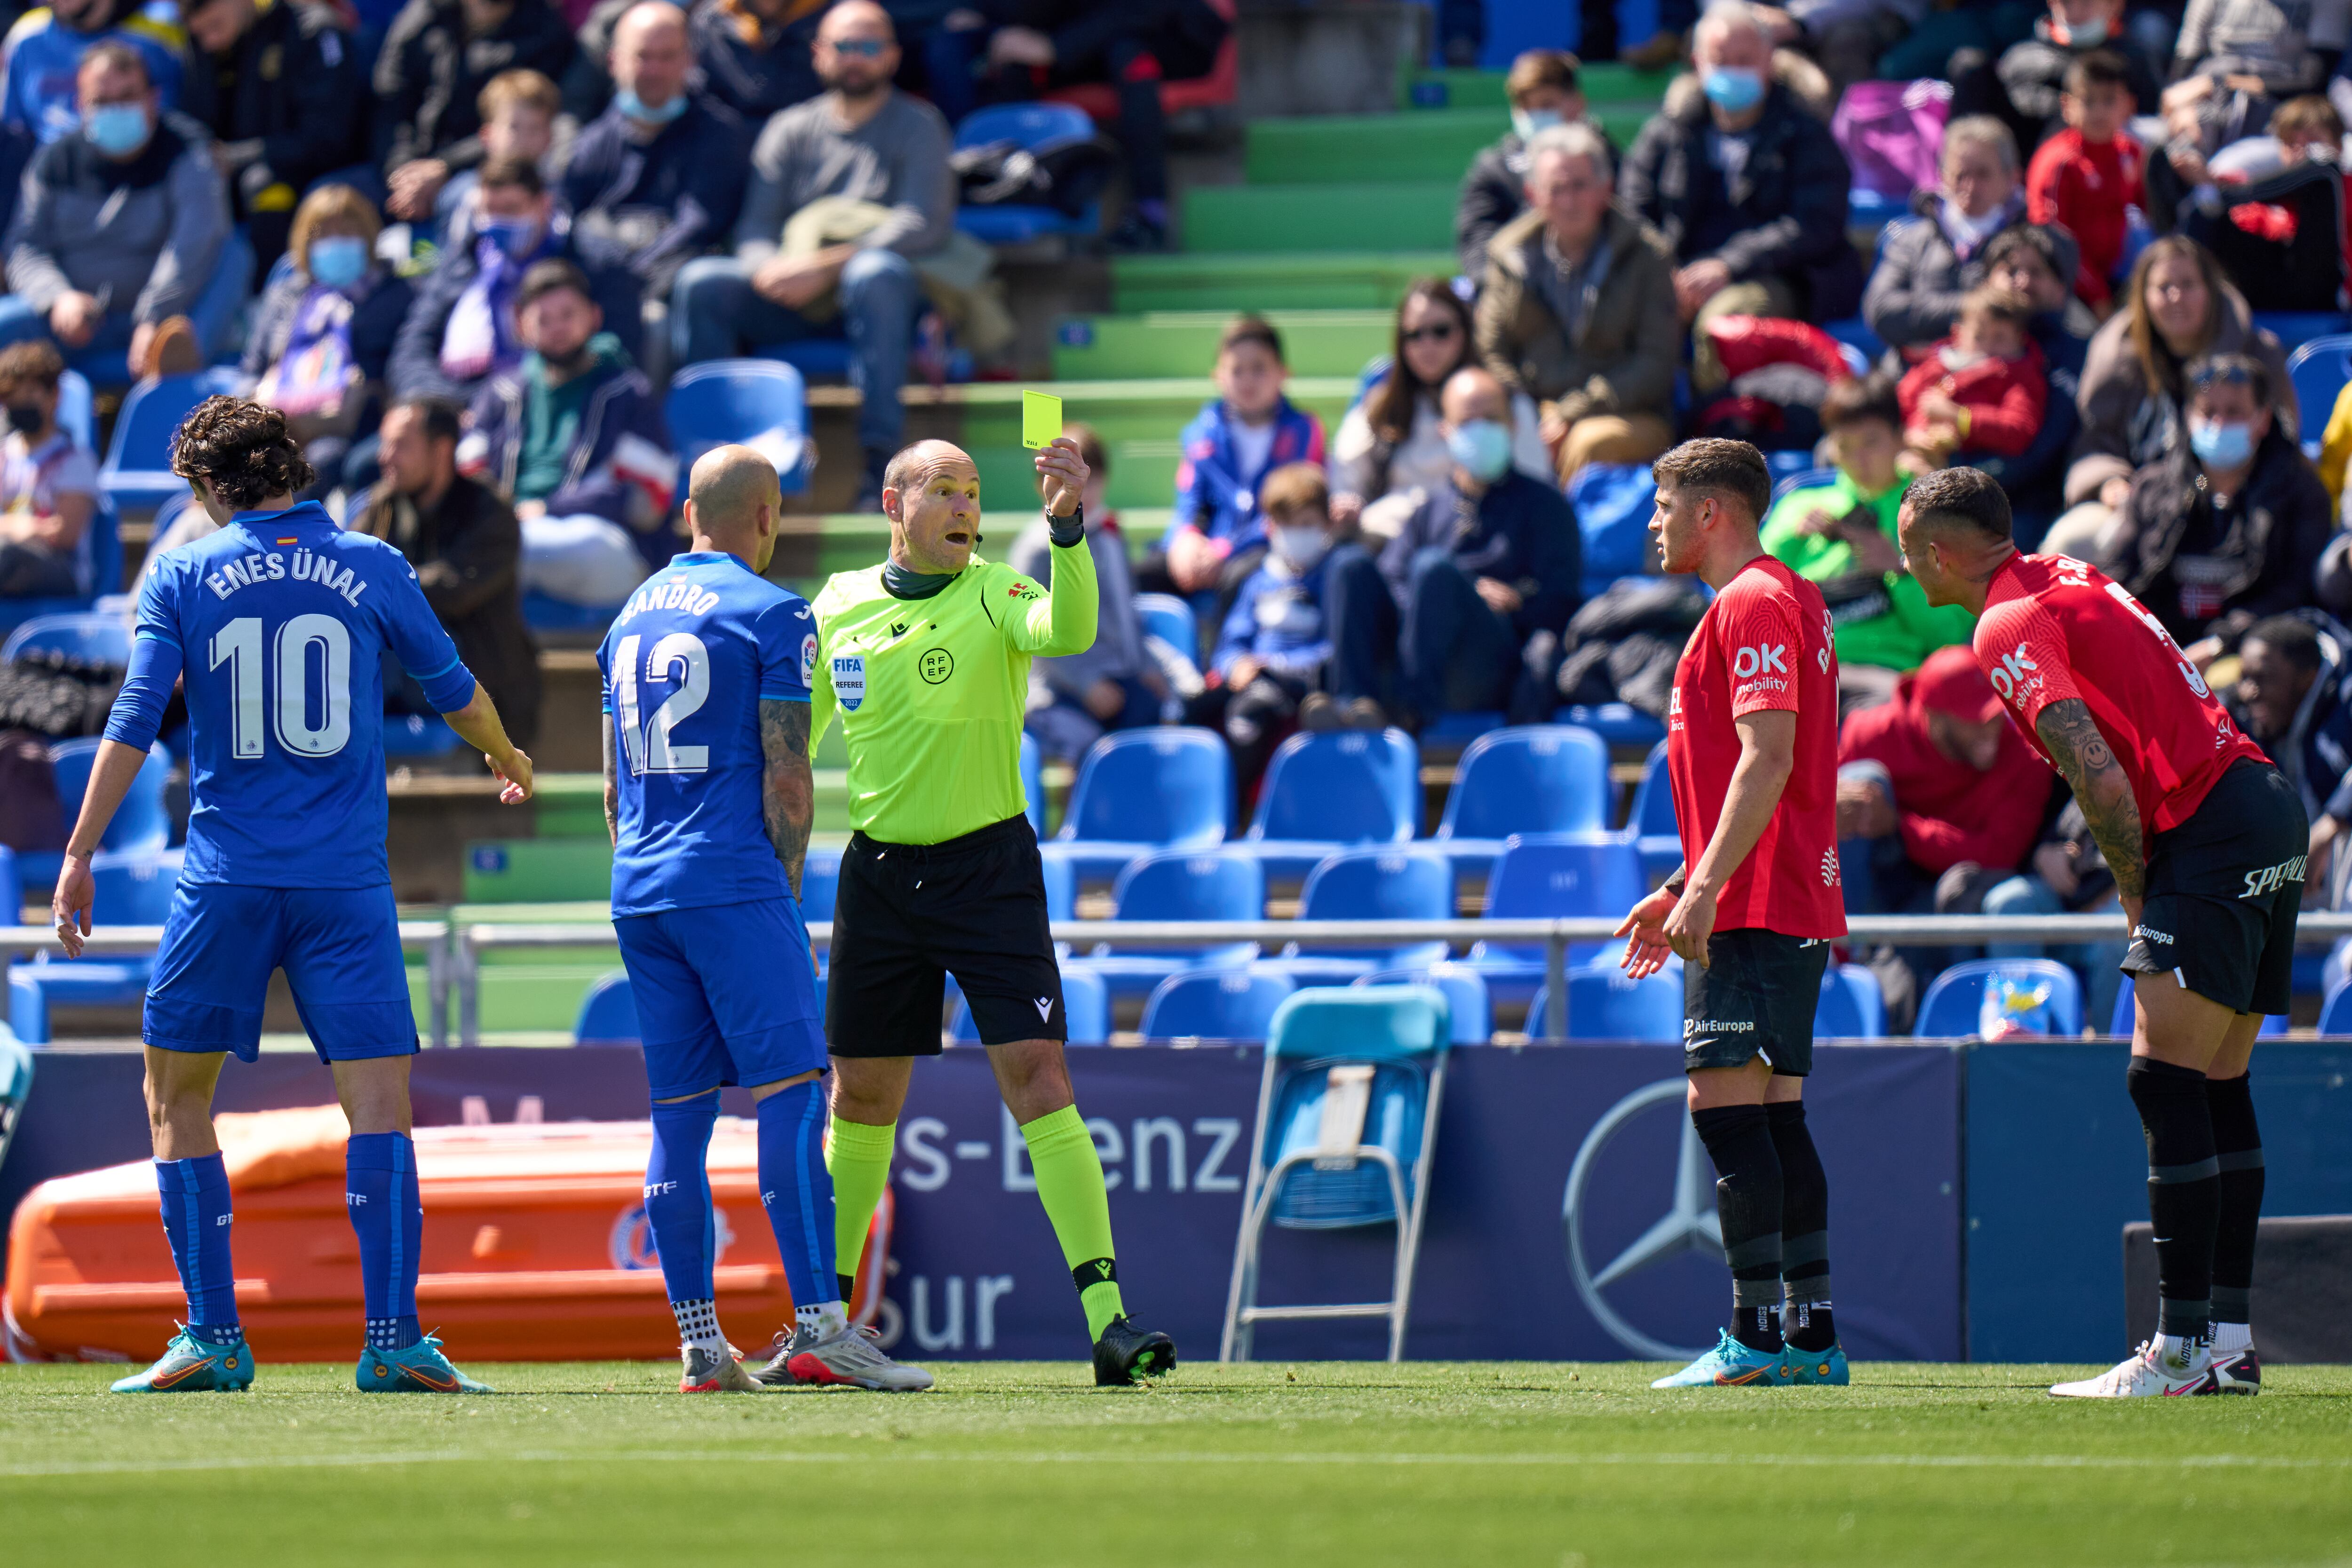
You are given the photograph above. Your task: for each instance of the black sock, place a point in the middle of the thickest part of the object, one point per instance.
(2184, 1191)
(1748, 1202)
(847, 1285)
(1805, 1320)
(2238, 1151)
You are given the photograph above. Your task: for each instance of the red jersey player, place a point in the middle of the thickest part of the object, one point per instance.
(2207, 843)
(1751, 746)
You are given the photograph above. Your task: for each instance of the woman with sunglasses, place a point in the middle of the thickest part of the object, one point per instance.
(1390, 455)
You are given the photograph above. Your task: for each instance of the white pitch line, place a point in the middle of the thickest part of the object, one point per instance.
(1631, 1461)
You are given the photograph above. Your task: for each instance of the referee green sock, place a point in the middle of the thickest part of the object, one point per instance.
(859, 1156)
(1070, 1185)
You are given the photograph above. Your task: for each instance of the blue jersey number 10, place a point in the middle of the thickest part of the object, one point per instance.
(648, 742)
(239, 646)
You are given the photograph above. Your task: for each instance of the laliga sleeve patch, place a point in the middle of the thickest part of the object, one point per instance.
(808, 659)
(849, 680)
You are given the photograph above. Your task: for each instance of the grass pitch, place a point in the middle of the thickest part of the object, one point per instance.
(1026, 1464)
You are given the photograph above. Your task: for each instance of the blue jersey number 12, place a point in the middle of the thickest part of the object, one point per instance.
(239, 646)
(650, 749)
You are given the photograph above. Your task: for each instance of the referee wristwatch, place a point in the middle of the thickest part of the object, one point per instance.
(1067, 531)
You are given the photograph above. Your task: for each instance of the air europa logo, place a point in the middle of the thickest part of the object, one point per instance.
(1758, 660)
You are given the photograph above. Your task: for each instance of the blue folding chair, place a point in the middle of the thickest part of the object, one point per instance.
(1220, 1004)
(1034, 128)
(1325, 792)
(132, 888)
(1657, 837)
(1141, 791)
(140, 824)
(1033, 784)
(608, 1013)
(1085, 1006)
(137, 473)
(1346, 1119)
(1604, 1002)
(1954, 1002)
(1383, 882)
(1538, 778)
(1851, 1007)
(16, 1087)
(1547, 876)
(1466, 996)
(1170, 619)
(2319, 370)
(81, 638)
(1220, 883)
(2127, 1013)
(762, 404)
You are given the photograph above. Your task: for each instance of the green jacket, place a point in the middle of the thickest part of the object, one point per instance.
(1884, 621)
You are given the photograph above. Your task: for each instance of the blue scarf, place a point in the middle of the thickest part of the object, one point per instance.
(480, 337)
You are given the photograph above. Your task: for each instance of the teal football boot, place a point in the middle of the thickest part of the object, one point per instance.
(419, 1369)
(1827, 1368)
(1729, 1364)
(191, 1365)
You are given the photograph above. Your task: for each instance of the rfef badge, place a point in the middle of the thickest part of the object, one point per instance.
(849, 680)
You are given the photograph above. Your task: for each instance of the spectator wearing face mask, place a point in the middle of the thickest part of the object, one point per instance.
(48, 485)
(1543, 90)
(1928, 262)
(45, 50)
(461, 330)
(520, 111)
(2024, 87)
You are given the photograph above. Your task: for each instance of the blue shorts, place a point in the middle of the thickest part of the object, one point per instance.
(725, 994)
(339, 948)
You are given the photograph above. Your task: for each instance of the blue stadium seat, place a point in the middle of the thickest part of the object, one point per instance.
(1807, 480)
(608, 1013)
(1554, 876)
(137, 473)
(1460, 728)
(1346, 1116)
(2320, 371)
(28, 1009)
(140, 824)
(1619, 723)
(1604, 1002)
(1951, 1009)
(1219, 1005)
(1140, 791)
(79, 638)
(133, 888)
(419, 735)
(1857, 333)
(2294, 329)
(758, 402)
(2119, 1023)
(2336, 1016)
(1033, 784)
(1466, 996)
(12, 890)
(1383, 882)
(1323, 792)
(1219, 883)
(1086, 1001)
(820, 876)
(1034, 128)
(16, 1086)
(1851, 1007)
(1539, 778)
(78, 410)
(1170, 619)
(1657, 836)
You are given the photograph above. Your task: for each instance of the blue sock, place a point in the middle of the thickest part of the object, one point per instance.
(678, 1197)
(388, 1214)
(797, 1190)
(196, 1218)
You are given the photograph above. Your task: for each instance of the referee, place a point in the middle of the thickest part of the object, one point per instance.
(925, 660)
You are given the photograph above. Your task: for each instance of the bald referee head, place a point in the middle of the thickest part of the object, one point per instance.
(733, 505)
(930, 493)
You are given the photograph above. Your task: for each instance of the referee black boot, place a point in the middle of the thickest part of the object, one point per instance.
(1127, 1354)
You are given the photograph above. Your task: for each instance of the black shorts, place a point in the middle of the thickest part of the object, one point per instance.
(1757, 996)
(905, 915)
(2222, 892)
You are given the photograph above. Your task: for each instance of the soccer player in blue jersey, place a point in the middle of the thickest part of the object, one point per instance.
(279, 623)
(707, 794)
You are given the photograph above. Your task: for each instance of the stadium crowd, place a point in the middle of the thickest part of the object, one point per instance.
(468, 243)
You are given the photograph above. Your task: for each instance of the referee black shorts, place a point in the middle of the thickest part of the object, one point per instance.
(906, 915)
(2222, 892)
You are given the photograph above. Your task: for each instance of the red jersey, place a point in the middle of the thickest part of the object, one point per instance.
(2054, 628)
(2005, 398)
(2086, 186)
(1763, 644)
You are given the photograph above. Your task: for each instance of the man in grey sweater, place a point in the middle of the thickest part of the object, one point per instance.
(863, 141)
(120, 225)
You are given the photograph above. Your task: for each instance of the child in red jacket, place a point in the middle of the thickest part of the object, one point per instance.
(2089, 175)
(1984, 388)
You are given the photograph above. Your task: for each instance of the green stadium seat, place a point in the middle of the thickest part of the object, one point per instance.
(1394, 148)
(1183, 343)
(1371, 278)
(1408, 215)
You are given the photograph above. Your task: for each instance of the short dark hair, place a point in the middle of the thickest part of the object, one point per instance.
(2100, 68)
(242, 449)
(442, 420)
(1732, 470)
(1991, 301)
(1961, 496)
(2308, 115)
(1252, 329)
(512, 172)
(1295, 487)
(2037, 237)
(1861, 398)
(544, 278)
(114, 52)
(35, 363)
(2230, 367)
(1091, 450)
(2291, 637)
(1536, 70)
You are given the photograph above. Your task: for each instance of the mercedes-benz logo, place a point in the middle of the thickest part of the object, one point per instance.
(1690, 1225)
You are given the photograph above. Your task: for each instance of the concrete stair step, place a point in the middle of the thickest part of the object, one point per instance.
(1372, 278)
(1183, 343)
(1407, 215)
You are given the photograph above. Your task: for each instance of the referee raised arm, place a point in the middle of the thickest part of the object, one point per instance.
(925, 660)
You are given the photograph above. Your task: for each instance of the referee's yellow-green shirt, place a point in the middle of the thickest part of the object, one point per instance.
(930, 693)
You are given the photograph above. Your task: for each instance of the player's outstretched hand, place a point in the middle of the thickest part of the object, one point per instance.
(516, 775)
(1062, 473)
(70, 905)
(1645, 932)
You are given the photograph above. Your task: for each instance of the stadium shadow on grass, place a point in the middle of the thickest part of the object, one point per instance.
(1548, 1465)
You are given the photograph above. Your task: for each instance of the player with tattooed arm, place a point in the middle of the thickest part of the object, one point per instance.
(2206, 840)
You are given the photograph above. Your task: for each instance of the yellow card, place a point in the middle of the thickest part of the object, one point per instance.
(1041, 418)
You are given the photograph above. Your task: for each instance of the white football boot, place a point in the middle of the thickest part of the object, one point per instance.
(2146, 1373)
(852, 1357)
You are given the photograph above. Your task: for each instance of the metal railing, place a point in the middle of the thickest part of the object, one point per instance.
(453, 951)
